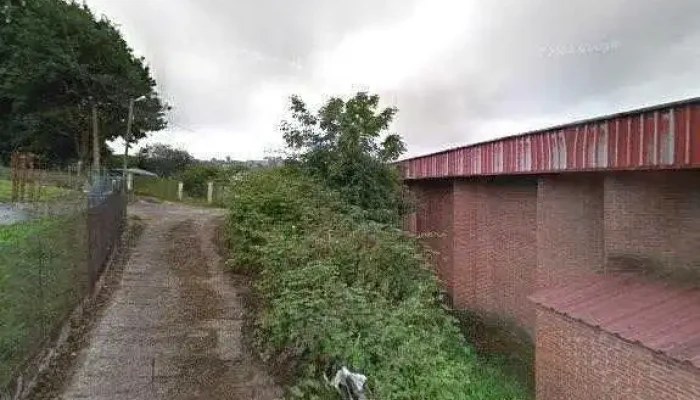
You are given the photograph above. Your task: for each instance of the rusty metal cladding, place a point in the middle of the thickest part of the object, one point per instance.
(666, 136)
(662, 317)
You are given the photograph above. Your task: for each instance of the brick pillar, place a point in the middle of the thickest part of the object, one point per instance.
(512, 246)
(434, 221)
(409, 221)
(653, 218)
(467, 249)
(569, 228)
(495, 246)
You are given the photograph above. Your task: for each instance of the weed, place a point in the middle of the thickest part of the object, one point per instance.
(335, 285)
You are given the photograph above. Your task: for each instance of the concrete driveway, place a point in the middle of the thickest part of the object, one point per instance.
(173, 328)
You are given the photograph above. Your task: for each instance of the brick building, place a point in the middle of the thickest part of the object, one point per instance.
(522, 216)
(618, 337)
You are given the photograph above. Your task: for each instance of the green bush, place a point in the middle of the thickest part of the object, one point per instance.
(336, 286)
(196, 177)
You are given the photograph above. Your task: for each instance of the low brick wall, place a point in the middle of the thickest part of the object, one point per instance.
(575, 361)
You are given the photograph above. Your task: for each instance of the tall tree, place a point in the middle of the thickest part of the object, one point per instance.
(164, 159)
(346, 144)
(57, 60)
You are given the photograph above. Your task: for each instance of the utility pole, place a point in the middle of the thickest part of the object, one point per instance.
(95, 140)
(127, 138)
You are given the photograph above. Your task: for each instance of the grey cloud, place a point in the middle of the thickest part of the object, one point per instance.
(555, 60)
(242, 43)
(295, 29)
(544, 58)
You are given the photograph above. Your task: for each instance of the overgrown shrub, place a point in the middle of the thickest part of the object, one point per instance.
(336, 286)
(195, 179)
(196, 176)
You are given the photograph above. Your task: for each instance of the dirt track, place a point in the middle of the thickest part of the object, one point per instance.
(173, 329)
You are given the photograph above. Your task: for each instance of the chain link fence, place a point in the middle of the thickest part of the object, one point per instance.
(54, 246)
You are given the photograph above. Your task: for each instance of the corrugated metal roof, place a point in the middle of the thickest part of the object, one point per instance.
(662, 317)
(666, 136)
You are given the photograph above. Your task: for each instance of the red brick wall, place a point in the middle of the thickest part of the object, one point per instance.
(434, 217)
(502, 239)
(495, 250)
(468, 200)
(570, 236)
(561, 228)
(654, 215)
(577, 362)
(409, 221)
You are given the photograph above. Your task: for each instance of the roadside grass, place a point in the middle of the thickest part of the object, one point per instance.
(45, 193)
(5, 190)
(42, 276)
(502, 344)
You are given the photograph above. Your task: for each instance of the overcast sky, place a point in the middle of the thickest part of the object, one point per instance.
(460, 71)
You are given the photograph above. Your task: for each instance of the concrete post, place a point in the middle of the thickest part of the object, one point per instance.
(210, 192)
(180, 189)
(130, 182)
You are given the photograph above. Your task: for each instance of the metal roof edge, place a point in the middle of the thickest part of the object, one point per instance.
(691, 100)
(599, 327)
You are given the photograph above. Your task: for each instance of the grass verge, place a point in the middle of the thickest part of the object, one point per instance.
(502, 344)
(42, 278)
(45, 193)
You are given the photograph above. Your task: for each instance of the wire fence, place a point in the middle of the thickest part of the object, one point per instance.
(220, 193)
(162, 188)
(105, 224)
(54, 246)
(215, 192)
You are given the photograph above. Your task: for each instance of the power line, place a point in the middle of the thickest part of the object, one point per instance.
(182, 127)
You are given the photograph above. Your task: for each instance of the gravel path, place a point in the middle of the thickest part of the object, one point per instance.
(173, 329)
